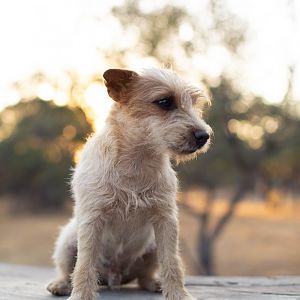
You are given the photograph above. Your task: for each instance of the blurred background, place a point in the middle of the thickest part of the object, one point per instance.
(239, 203)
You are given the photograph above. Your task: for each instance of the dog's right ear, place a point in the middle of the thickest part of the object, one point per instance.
(117, 82)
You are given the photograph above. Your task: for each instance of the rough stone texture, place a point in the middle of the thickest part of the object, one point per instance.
(23, 282)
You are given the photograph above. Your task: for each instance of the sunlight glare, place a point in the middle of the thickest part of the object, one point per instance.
(61, 98)
(186, 32)
(96, 98)
(270, 124)
(45, 91)
(11, 97)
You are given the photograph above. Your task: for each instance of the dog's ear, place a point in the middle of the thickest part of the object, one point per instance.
(117, 82)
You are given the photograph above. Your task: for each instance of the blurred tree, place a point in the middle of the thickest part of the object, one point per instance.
(157, 30)
(256, 145)
(171, 35)
(37, 150)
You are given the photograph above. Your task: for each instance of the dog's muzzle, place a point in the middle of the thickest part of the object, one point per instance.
(193, 142)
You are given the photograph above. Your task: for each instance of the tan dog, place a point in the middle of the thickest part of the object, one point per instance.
(125, 222)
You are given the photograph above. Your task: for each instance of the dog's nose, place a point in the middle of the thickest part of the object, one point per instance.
(201, 137)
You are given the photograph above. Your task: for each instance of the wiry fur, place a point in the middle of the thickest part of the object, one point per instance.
(125, 219)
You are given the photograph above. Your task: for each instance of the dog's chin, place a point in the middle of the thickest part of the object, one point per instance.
(184, 154)
(188, 153)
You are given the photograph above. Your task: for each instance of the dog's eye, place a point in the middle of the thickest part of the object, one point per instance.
(166, 103)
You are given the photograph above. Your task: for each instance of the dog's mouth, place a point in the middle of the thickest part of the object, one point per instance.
(185, 150)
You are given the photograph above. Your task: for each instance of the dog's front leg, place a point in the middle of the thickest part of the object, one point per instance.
(171, 271)
(84, 277)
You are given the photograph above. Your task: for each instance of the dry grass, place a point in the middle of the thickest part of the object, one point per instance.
(29, 239)
(263, 237)
(248, 246)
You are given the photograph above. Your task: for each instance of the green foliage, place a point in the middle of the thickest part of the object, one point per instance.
(36, 156)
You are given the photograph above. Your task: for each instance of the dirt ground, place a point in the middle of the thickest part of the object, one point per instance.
(249, 245)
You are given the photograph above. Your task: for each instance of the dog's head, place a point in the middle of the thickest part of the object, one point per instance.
(164, 107)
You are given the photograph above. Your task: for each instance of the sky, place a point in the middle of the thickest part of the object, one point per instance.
(57, 35)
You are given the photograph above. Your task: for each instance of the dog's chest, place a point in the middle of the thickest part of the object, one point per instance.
(124, 241)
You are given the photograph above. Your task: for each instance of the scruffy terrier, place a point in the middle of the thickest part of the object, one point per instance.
(125, 221)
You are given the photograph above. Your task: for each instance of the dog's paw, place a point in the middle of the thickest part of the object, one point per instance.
(178, 295)
(83, 295)
(78, 297)
(60, 287)
(74, 298)
(189, 297)
(150, 284)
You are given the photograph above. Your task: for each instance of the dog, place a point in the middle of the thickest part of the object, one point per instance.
(125, 223)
